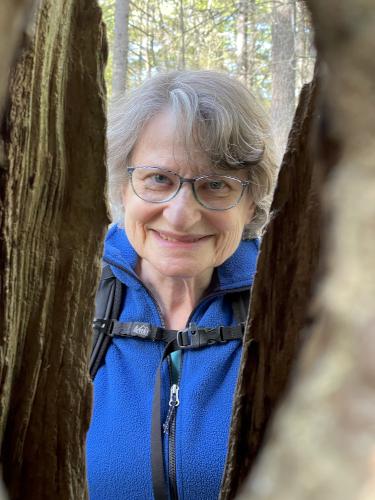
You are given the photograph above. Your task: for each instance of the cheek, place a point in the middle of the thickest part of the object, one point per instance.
(228, 236)
(230, 226)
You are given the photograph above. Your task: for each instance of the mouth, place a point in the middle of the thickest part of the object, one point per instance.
(179, 238)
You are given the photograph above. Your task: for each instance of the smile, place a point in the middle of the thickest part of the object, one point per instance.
(179, 239)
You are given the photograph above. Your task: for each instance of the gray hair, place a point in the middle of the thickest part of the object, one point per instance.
(213, 112)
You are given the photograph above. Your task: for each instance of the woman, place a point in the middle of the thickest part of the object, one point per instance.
(191, 171)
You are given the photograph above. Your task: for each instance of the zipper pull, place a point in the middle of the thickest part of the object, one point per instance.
(173, 403)
(173, 400)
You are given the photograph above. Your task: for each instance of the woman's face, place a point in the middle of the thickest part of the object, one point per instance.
(180, 238)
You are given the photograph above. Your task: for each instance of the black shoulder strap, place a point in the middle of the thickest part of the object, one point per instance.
(240, 305)
(107, 306)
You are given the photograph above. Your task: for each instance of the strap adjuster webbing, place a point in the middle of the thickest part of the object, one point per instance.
(192, 337)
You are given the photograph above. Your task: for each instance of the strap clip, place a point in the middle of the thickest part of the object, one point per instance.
(193, 337)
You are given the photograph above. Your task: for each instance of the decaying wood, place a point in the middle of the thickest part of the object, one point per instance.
(52, 220)
(322, 443)
(283, 285)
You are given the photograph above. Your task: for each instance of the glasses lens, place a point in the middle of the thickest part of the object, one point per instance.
(218, 192)
(154, 184)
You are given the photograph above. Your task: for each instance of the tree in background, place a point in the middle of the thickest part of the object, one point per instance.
(120, 48)
(267, 44)
(283, 67)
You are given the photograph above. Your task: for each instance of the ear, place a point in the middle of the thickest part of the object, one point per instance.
(124, 192)
(251, 211)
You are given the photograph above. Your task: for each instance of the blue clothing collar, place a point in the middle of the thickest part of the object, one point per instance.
(236, 272)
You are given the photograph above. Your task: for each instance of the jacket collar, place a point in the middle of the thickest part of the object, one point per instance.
(236, 272)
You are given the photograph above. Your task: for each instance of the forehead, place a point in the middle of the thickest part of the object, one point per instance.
(161, 144)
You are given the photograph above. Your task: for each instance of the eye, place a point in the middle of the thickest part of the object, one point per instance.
(216, 185)
(158, 181)
(161, 179)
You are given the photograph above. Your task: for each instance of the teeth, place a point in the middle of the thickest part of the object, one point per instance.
(173, 239)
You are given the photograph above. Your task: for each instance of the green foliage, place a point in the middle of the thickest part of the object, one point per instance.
(211, 34)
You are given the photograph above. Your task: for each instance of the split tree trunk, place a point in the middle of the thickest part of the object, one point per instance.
(325, 432)
(322, 442)
(283, 285)
(52, 220)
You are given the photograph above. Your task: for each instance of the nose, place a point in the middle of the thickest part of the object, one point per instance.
(183, 211)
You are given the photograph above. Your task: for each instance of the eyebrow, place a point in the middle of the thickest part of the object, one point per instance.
(208, 171)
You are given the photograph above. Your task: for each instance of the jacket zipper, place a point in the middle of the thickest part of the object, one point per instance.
(169, 426)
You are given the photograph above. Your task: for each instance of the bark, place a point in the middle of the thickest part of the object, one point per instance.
(52, 219)
(120, 48)
(286, 269)
(324, 435)
(283, 69)
(13, 21)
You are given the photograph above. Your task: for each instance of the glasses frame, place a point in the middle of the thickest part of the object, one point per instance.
(190, 181)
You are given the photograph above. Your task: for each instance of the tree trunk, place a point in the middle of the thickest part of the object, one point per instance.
(322, 443)
(52, 219)
(283, 69)
(120, 48)
(289, 255)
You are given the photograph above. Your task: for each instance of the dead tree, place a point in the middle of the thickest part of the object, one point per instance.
(284, 282)
(322, 442)
(52, 219)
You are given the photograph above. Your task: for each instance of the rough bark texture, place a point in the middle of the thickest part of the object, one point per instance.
(13, 20)
(322, 443)
(286, 269)
(52, 219)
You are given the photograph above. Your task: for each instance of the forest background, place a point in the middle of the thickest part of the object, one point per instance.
(265, 43)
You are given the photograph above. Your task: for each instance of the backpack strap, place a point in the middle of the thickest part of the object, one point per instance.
(108, 301)
(192, 337)
(240, 305)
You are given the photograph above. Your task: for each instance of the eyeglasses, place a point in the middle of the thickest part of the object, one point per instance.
(158, 185)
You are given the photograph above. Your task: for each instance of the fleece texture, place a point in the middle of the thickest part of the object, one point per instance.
(119, 438)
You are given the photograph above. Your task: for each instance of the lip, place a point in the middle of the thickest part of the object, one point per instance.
(179, 240)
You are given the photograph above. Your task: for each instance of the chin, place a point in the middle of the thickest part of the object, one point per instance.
(179, 272)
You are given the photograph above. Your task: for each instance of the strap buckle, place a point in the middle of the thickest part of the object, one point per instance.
(193, 337)
(103, 326)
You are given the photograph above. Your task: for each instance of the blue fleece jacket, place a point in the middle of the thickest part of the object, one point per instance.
(119, 438)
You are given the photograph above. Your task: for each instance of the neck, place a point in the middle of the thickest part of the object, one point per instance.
(176, 296)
